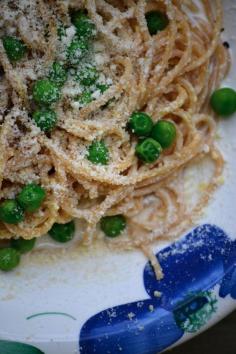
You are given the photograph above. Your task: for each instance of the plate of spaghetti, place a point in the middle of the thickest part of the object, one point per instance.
(117, 173)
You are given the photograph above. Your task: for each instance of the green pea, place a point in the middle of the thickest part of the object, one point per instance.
(14, 48)
(148, 150)
(45, 92)
(11, 212)
(113, 226)
(76, 51)
(223, 102)
(156, 21)
(58, 74)
(45, 119)
(22, 245)
(85, 98)
(63, 232)
(85, 28)
(98, 153)
(9, 259)
(164, 132)
(31, 197)
(88, 76)
(140, 124)
(102, 87)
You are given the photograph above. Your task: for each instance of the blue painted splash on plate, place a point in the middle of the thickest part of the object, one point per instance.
(193, 266)
(128, 329)
(228, 284)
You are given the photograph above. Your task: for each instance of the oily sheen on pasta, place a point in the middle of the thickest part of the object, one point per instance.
(169, 75)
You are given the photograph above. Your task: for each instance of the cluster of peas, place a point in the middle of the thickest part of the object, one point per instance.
(47, 91)
(153, 138)
(12, 211)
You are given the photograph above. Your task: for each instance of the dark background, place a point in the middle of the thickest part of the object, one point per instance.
(220, 339)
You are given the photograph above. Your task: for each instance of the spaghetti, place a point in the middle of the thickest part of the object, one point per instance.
(169, 75)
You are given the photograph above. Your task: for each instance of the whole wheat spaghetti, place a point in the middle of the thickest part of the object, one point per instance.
(169, 75)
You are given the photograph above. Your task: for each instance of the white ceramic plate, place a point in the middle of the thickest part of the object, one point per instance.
(95, 301)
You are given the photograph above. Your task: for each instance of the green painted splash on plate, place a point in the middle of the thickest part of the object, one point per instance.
(51, 314)
(7, 347)
(195, 321)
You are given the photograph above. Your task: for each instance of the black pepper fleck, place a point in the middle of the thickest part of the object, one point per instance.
(226, 45)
